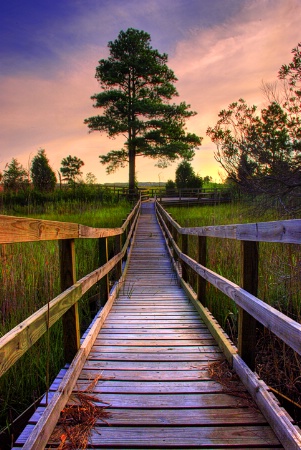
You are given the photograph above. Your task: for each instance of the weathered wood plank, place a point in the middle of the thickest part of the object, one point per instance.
(22, 229)
(137, 356)
(172, 417)
(199, 437)
(183, 401)
(156, 342)
(153, 365)
(285, 231)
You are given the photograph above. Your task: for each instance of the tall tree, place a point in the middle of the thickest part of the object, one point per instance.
(43, 177)
(70, 169)
(15, 177)
(137, 86)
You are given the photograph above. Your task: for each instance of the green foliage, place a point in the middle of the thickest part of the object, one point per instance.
(15, 177)
(186, 177)
(137, 87)
(262, 152)
(70, 169)
(90, 178)
(291, 73)
(170, 184)
(43, 177)
(258, 152)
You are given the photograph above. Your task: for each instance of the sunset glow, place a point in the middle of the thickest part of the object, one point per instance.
(220, 51)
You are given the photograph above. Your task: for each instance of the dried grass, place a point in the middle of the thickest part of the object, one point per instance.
(221, 372)
(77, 420)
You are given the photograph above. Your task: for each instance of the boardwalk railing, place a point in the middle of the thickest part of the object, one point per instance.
(251, 308)
(18, 229)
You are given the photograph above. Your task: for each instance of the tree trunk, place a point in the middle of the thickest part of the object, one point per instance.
(132, 168)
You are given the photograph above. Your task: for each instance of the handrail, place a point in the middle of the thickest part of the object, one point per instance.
(283, 231)
(23, 229)
(289, 231)
(18, 340)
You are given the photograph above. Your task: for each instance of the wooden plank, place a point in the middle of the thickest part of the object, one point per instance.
(149, 387)
(22, 229)
(148, 375)
(152, 365)
(144, 330)
(142, 356)
(154, 335)
(155, 342)
(153, 325)
(283, 231)
(183, 401)
(170, 417)
(199, 348)
(171, 437)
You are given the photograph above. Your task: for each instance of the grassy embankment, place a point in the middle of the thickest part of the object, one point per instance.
(29, 277)
(279, 286)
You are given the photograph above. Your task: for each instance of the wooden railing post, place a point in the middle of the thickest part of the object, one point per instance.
(184, 250)
(175, 238)
(118, 248)
(71, 330)
(103, 258)
(202, 259)
(247, 323)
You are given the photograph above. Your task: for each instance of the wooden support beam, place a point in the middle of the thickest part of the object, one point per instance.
(246, 323)
(103, 257)
(185, 251)
(71, 330)
(202, 259)
(118, 248)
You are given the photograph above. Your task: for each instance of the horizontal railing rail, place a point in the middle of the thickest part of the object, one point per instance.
(251, 308)
(14, 229)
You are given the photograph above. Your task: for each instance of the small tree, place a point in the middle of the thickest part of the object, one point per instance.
(70, 169)
(170, 185)
(137, 86)
(91, 178)
(15, 177)
(258, 152)
(43, 177)
(186, 177)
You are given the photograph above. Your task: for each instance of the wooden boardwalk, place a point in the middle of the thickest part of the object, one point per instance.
(153, 356)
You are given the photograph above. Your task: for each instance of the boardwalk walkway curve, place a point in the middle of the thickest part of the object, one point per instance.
(153, 355)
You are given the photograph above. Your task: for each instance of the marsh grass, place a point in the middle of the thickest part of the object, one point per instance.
(29, 278)
(279, 286)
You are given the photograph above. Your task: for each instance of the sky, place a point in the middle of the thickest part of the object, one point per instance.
(220, 51)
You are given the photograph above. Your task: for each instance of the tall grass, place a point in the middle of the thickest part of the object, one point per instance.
(29, 278)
